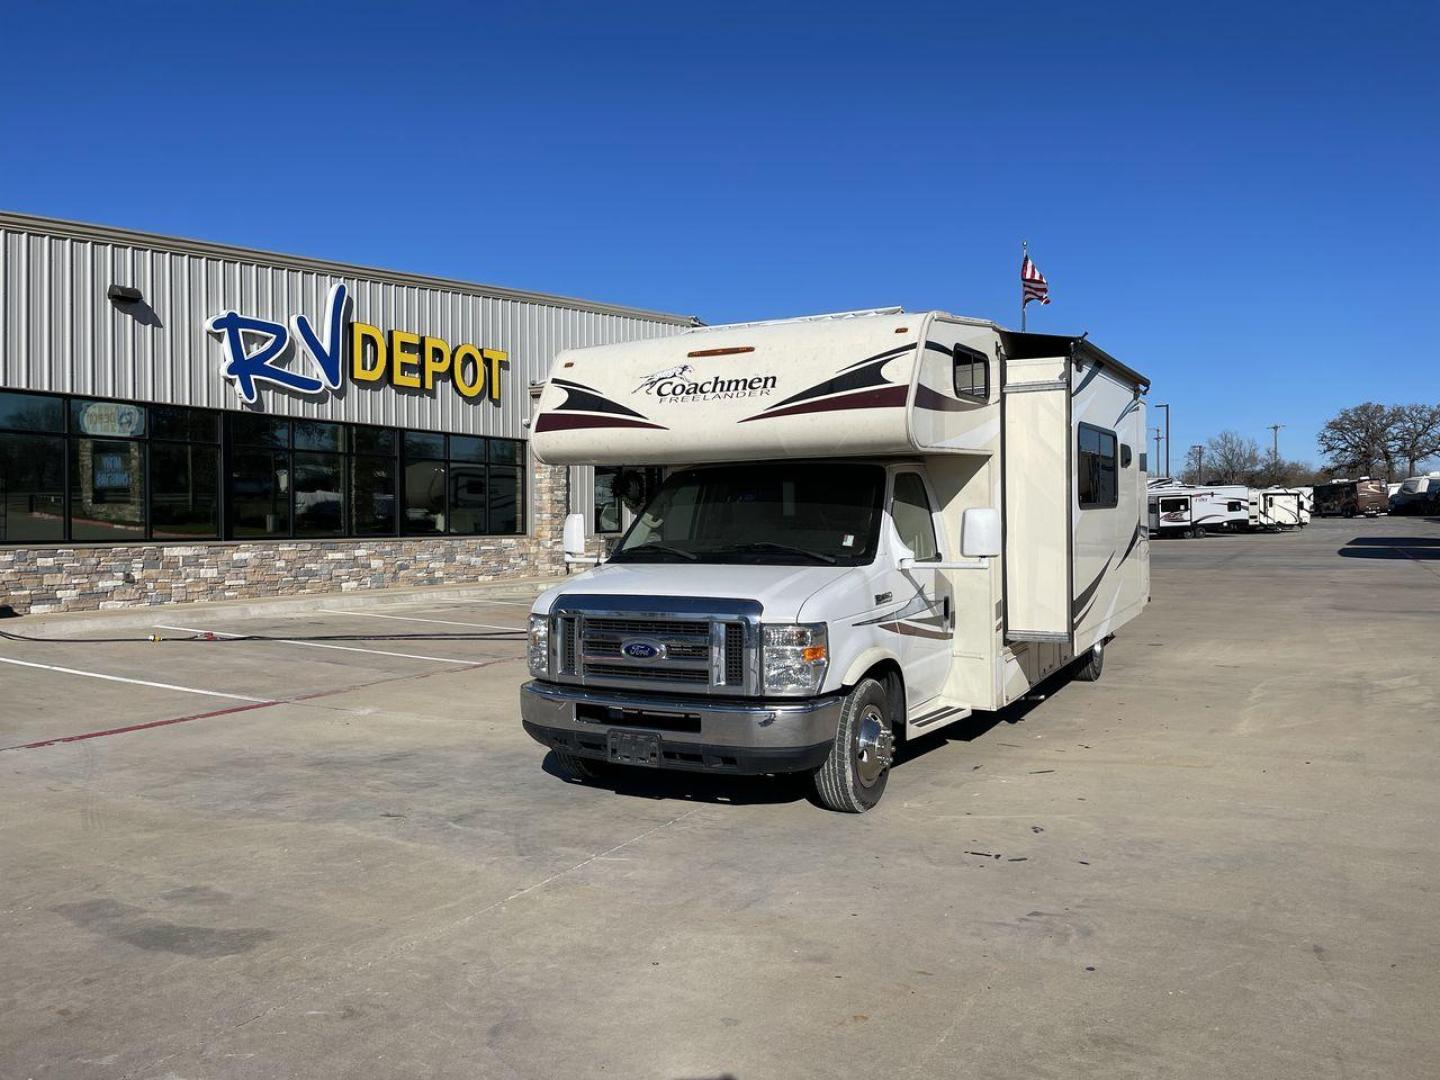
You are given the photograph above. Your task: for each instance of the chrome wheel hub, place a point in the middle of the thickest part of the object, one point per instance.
(874, 746)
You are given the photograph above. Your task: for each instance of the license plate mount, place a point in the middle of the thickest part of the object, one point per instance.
(634, 748)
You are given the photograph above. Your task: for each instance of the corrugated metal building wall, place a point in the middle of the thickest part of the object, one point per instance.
(60, 333)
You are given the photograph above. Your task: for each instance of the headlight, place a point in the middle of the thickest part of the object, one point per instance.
(795, 657)
(538, 650)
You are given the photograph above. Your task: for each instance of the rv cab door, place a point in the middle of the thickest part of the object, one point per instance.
(926, 619)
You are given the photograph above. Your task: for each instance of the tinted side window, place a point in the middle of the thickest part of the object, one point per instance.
(972, 374)
(1096, 465)
(910, 507)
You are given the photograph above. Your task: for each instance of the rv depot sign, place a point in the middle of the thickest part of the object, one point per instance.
(308, 360)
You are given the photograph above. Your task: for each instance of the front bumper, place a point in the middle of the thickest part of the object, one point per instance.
(750, 737)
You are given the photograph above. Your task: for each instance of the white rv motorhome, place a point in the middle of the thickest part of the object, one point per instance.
(872, 525)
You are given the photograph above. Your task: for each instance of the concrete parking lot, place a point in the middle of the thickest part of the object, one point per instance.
(335, 853)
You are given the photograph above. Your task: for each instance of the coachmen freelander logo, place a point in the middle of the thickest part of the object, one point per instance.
(679, 384)
(258, 350)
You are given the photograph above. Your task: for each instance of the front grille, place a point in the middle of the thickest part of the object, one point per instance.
(674, 652)
(660, 628)
(734, 654)
(709, 654)
(689, 676)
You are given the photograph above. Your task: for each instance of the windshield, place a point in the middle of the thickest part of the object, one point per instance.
(779, 512)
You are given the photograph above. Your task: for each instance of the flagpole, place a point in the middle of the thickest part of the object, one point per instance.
(1024, 254)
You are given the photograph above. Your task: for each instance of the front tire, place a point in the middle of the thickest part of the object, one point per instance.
(853, 777)
(1091, 665)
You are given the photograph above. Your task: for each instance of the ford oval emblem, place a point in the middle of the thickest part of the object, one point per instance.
(642, 649)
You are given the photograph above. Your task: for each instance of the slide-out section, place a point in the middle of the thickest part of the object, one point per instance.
(1037, 501)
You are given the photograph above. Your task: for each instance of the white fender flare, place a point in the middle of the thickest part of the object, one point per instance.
(867, 659)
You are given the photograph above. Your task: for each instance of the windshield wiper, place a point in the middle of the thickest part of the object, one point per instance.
(770, 545)
(658, 549)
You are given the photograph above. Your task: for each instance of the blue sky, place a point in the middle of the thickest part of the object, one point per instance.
(1238, 200)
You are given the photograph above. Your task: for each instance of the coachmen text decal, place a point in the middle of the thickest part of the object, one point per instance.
(258, 350)
(678, 384)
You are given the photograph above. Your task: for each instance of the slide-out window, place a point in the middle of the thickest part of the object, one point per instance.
(1096, 479)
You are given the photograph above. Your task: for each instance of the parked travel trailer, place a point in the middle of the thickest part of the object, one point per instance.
(1307, 504)
(1193, 511)
(1274, 509)
(872, 524)
(1417, 495)
(1351, 498)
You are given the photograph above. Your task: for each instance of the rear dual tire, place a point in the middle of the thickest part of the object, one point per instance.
(1089, 667)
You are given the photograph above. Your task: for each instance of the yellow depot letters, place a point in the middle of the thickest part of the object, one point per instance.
(408, 361)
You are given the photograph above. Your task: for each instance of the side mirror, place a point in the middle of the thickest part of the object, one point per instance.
(980, 533)
(574, 536)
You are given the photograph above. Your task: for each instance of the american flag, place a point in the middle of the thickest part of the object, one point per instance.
(1033, 285)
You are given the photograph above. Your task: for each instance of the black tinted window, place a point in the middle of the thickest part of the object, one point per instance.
(1096, 481)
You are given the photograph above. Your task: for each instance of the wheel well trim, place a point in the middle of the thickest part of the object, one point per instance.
(867, 661)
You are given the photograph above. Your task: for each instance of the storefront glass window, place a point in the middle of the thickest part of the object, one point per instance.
(107, 489)
(467, 448)
(249, 430)
(423, 444)
(260, 493)
(107, 419)
(184, 425)
(31, 412)
(424, 497)
(184, 491)
(319, 482)
(92, 471)
(32, 484)
(467, 498)
(506, 491)
(372, 495)
(373, 440)
(314, 435)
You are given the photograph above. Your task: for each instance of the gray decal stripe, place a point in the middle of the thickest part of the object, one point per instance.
(1134, 404)
(1134, 539)
(1090, 590)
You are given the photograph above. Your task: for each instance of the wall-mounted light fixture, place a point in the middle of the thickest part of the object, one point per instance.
(124, 294)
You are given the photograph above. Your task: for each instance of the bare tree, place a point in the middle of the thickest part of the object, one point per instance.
(1360, 440)
(1230, 458)
(1415, 434)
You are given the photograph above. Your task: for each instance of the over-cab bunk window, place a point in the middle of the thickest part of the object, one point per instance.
(1095, 463)
(972, 374)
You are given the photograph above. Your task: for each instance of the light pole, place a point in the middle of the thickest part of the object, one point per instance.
(1157, 450)
(1199, 463)
(1167, 437)
(1275, 442)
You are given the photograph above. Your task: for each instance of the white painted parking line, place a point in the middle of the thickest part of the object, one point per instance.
(503, 603)
(134, 682)
(323, 645)
(416, 618)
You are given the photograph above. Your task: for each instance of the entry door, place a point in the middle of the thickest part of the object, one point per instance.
(925, 621)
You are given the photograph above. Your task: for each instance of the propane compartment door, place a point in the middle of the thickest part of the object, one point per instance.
(1037, 501)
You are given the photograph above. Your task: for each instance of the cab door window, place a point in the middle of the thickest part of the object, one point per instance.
(910, 509)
